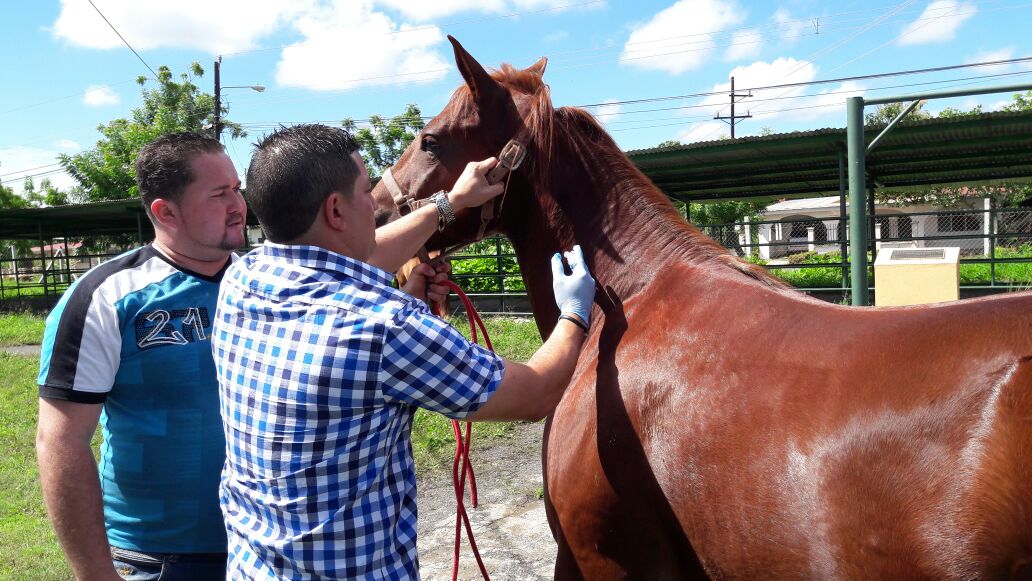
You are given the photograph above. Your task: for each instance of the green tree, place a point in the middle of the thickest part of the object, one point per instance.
(1020, 102)
(1003, 195)
(46, 195)
(9, 199)
(725, 212)
(887, 112)
(669, 143)
(106, 172)
(385, 140)
(951, 112)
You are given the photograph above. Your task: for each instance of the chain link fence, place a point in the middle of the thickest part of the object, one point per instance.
(811, 253)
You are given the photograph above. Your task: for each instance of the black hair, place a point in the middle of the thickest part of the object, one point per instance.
(163, 165)
(292, 172)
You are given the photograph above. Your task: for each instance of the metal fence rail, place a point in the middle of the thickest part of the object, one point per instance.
(993, 237)
(995, 243)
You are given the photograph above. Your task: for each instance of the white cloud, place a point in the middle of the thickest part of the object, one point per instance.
(789, 28)
(216, 27)
(827, 102)
(938, 23)
(557, 36)
(67, 145)
(427, 11)
(18, 162)
(336, 55)
(745, 44)
(100, 95)
(674, 40)
(704, 131)
(608, 112)
(993, 55)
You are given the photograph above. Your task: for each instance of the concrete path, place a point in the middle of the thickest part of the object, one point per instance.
(26, 350)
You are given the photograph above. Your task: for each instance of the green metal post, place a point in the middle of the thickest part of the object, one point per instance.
(843, 185)
(872, 232)
(994, 222)
(43, 263)
(501, 272)
(67, 261)
(857, 194)
(2, 273)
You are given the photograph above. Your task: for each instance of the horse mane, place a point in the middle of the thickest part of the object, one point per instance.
(574, 130)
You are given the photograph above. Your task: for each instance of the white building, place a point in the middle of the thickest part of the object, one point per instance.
(812, 224)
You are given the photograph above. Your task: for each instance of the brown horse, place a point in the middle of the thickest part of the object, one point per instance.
(721, 424)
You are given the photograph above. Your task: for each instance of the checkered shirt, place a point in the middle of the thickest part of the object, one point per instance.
(321, 368)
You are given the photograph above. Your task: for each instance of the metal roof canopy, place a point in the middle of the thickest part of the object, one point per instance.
(81, 220)
(969, 149)
(987, 161)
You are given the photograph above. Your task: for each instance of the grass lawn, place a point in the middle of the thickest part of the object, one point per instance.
(1018, 273)
(28, 547)
(20, 329)
(433, 443)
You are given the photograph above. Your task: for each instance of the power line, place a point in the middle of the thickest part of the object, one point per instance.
(437, 26)
(679, 120)
(783, 97)
(819, 82)
(257, 125)
(956, 83)
(952, 13)
(123, 39)
(336, 87)
(785, 25)
(815, 55)
(3, 175)
(33, 176)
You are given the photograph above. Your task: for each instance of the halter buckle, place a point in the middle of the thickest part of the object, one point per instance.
(510, 158)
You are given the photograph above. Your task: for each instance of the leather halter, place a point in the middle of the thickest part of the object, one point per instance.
(510, 158)
(405, 203)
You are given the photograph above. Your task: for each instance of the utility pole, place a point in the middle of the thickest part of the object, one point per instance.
(217, 125)
(731, 120)
(218, 102)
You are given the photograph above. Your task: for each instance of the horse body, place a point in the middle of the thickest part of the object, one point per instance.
(721, 424)
(791, 456)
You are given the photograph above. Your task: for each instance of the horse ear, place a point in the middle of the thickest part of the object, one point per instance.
(539, 67)
(480, 83)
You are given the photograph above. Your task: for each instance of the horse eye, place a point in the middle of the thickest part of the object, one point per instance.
(430, 145)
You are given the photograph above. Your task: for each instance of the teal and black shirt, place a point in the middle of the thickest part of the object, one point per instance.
(134, 334)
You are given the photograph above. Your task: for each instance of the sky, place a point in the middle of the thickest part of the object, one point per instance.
(66, 70)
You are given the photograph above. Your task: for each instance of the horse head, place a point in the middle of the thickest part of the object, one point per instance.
(482, 116)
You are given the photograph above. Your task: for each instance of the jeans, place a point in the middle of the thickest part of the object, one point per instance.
(138, 566)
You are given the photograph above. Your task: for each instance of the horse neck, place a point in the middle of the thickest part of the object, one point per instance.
(629, 231)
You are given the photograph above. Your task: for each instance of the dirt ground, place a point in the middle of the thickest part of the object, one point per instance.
(509, 524)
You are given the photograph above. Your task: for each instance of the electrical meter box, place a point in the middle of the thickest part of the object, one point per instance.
(914, 276)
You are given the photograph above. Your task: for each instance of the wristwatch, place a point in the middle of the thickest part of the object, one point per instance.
(445, 213)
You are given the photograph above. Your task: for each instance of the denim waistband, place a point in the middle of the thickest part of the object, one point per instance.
(147, 556)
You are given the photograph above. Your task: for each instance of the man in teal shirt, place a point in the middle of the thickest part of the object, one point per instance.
(128, 346)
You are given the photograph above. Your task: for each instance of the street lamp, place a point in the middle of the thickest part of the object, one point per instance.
(218, 98)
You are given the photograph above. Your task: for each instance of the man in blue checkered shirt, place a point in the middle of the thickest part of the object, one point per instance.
(322, 365)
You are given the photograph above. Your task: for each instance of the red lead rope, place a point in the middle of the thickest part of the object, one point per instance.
(462, 449)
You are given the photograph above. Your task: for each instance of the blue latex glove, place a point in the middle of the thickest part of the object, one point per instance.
(574, 292)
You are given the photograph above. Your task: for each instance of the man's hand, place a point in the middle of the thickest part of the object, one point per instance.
(574, 292)
(424, 282)
(471, 189)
